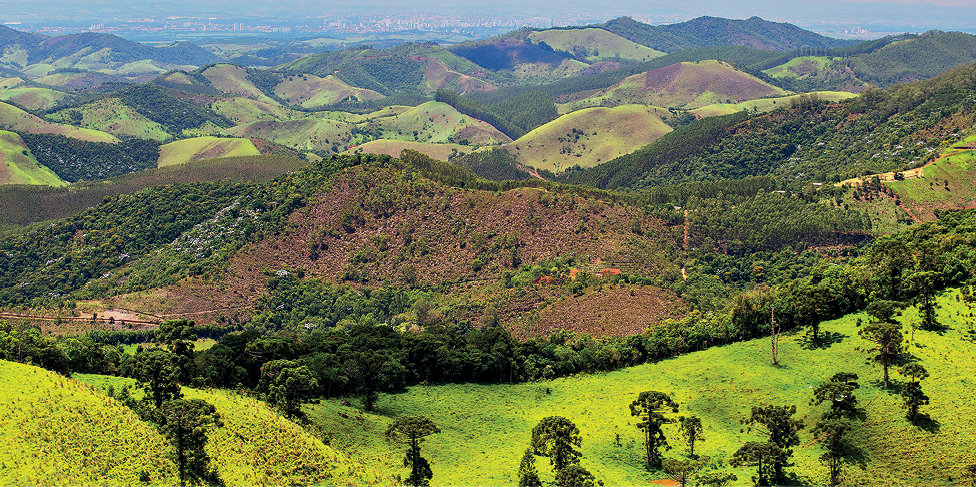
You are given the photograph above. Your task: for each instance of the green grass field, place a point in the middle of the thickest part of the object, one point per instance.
(948, 183)
(232, 80)
(683, 85)
(18, 165)
(201, 148)
(32, 97)
(767, 104)
(601, 134)
(311, 91)
(395, 147)
(485, 428)
(595, 44)
(17, 120)
(799, 67)
(112, 116)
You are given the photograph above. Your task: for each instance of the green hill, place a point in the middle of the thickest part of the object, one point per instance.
(593, 44)
(60, 431)
(17, 120)
(311, 91)
(199, 148)
(589, 137)
(485, 428)
(113, 116)
(712, 31)
(18, 165)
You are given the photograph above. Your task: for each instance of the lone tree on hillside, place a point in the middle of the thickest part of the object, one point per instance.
(838, 391)
(574, 476)
(781, 429)
(649, 408)
(832, 433)
(412, 430)
(158, 373)
(764, 456)
(528, 476)
(185, 424)
(911, 393)
(178, 337)
(681, 470)
(691, 430)
(887, 339)
(286, 385)
(555, 437)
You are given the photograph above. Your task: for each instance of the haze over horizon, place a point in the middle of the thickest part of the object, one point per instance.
(878, 17)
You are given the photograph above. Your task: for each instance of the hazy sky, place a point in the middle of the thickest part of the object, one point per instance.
(898, 15)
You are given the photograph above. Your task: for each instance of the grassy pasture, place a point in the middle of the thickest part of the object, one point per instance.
(485, 428)
(683, 85)
(17, 120)
(767, 104)
(395, 147)
(32, 97)
(201, 148)
(601, 135)
(112, 116)
(799, 67)
(311, 91)
(597, 44)
(948, 183)
(232, 80)
(18, 165)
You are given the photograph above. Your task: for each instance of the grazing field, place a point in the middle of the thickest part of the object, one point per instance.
(200, 148)
(684, 85)
(233, 81)
(113, 116)
(58, 431)
(310, 91)
(18, 165)
(589, 137)
(395, 147)
(768, 104)
(950, 182)
(17, 120)
(242, 110)
(31, 97)
(594, 44)
(485, 428)
(800, 67)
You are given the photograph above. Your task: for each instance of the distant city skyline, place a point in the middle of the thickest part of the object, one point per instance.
(845, 18)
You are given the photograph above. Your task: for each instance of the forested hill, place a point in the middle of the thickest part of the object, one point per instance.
(41, 49)
(713, 31)
(880, 131)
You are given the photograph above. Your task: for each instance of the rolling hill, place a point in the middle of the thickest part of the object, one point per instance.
(593, 45)
(201, 148)
(18, 165)
(17, 120)
(590, 136)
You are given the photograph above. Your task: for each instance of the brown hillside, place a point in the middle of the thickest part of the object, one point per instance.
(373, 226)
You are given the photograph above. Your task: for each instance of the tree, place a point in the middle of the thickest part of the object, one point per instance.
(178, 337)
(714, 478)
(649, 408)
(924, 283)
(528, 476)
(371, 372)
(412, 430)
(838, 391)
(691, 430)
(781, 429)
(574, 476)
(158, 374)
(762, 455)
(912, 396)
(887, 339)
(555, 437)
(832, 433)
(185, 424)
(286, 385)
(681, 470)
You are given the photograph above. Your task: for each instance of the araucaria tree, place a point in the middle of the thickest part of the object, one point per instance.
(412, 430)
(528, 476)
(832, 433)
(158, 373)
(760, 454)
(649, 408)
(838, 392)
(691, 430)
(286, 385)
(781, 429)
(911, 393)
(887, 339)
(185, 424)
(555, 437)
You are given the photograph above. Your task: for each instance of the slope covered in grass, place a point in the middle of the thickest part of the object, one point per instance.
(485, 428)
(57, 431)
(17, 120)
(18, 165)
(589, 137)
(768, 104)
(200, 148)
(594, 44)
(257, 446)
(112, 115)
(310, 91)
